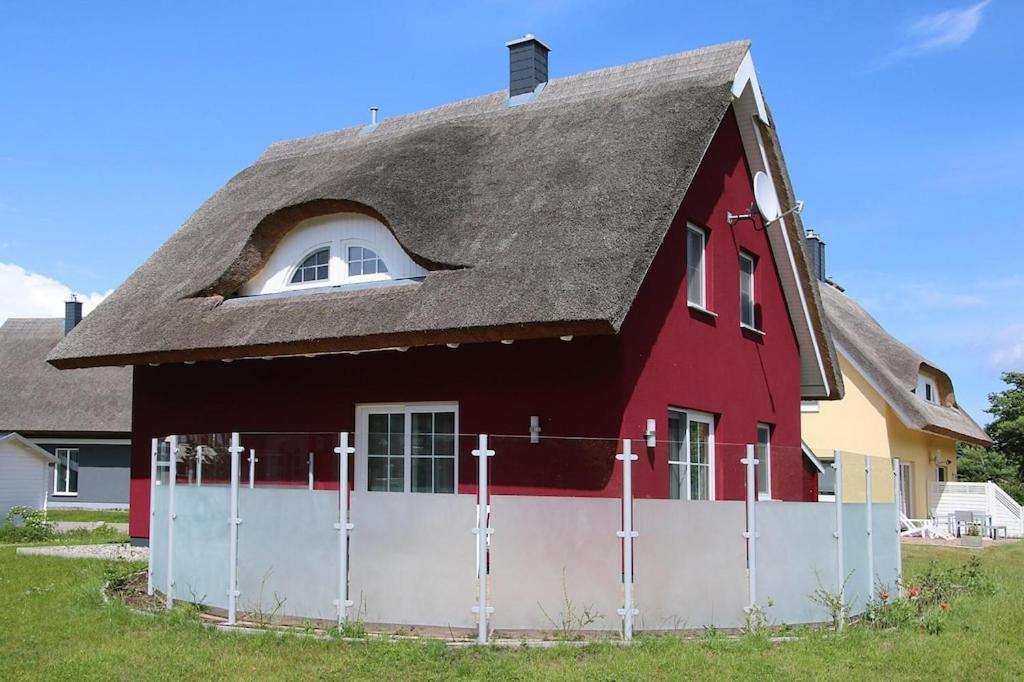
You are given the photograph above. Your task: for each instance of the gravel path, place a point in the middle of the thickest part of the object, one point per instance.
(115, 552)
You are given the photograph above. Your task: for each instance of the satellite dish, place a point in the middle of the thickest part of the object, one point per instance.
(765, 197)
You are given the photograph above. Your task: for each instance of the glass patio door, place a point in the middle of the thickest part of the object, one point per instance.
(691, 456)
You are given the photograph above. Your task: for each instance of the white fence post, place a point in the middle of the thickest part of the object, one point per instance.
(899, 525)
(751, 533)
(154, 449)
(343, 526)
(236, 450)
(172, 466)
(252, 469)
(311, 470)
(199, 465)
(869, 510)
(837, 464)
(482, 532)
(627, 534)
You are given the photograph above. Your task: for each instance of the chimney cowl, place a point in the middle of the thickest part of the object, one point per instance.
(72, 314)
(527, 64)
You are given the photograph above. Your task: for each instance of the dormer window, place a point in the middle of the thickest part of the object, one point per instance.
(343, 250)
(313, 268)
(927, 390)
(364, 261)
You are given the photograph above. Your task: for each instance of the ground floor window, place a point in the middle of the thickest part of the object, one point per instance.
(827, 480)
(941, 474)
(764, 465)
(65, 472)
(691, 457)
(407, 448)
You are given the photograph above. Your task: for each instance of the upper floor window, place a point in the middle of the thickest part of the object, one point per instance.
(364, 261)
(927, 389)
(747, 291)
(343, 249)
(313, 268)
(696, 272)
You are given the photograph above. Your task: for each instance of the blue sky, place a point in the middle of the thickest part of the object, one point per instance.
(900, 122)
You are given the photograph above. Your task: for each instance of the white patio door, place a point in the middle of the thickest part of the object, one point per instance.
(691, 457)
(407, 448)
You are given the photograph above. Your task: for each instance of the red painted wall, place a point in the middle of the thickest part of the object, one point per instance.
(603, 388)
(675, 356)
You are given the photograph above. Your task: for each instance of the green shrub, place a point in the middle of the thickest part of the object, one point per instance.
(25, 524)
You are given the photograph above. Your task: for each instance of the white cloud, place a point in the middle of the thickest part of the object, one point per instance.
(1008, 348)
(943, 30)
(27, 294)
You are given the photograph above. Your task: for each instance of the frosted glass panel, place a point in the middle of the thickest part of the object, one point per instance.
(201, 544)
(855, 556)
(158, 538)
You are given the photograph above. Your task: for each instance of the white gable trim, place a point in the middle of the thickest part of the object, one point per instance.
(28, 446)
(750, 101)
(811, 457)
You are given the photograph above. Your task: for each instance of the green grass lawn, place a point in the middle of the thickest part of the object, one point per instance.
(108, 515)
(53, 624)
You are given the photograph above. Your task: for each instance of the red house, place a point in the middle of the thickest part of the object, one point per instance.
(557, 263)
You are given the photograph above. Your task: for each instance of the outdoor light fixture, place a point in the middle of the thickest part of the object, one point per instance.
(650, 433)
(534, 429)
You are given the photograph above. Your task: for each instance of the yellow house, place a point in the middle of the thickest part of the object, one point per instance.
(898, 406)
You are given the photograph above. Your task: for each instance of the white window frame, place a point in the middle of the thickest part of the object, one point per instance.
(362, 466)
(302, 259)
(704, 418)
(765, 460)
(345, 278)
(702, 304)
(925, 386)
(810, 406)
(66, 453)
(744, 256)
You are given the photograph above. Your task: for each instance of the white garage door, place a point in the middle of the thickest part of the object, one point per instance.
(23, 478)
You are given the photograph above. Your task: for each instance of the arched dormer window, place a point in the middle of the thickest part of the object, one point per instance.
(313, 268)
(347, 250)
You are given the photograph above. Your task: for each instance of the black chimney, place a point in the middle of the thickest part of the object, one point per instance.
(527, 64)
(72, 314)
(816, 250)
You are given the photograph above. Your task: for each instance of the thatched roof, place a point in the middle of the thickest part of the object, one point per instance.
(892, 368)
(533, 220)
(35, 397)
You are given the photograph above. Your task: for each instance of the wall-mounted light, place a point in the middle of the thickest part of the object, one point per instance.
(650, 433)
(534, 429)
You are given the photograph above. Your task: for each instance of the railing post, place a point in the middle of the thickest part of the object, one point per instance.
(199, 466)
(311, 468)
(751, 533)
(154, 449)
(343, 526)
(236, 450)
(837, 464)
(252, 469)
(482, 531)
(628, 611)
(869, 510)
(172, 466)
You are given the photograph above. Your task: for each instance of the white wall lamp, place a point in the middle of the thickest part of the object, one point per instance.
(534, 429)
(650, 434)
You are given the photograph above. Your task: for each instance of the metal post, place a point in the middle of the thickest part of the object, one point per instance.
(236, 450)
(154, 449)
(310, 475)
(172, 475)
(482, 532)
(869, 511)
(342, 526)
(628, 611)
(751, 533)
(199, 466)
(899, 525)
(837, 464)
(252, 468)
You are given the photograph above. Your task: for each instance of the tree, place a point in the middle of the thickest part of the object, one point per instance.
(977, 463)
(1007, 429)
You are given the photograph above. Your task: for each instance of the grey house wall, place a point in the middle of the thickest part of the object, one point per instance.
(103, 475)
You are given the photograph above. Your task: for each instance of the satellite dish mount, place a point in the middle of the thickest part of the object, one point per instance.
(766, 203)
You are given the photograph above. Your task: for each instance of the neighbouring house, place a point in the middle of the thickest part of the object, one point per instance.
(557, 264)
(898, 405)
(81, 421)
